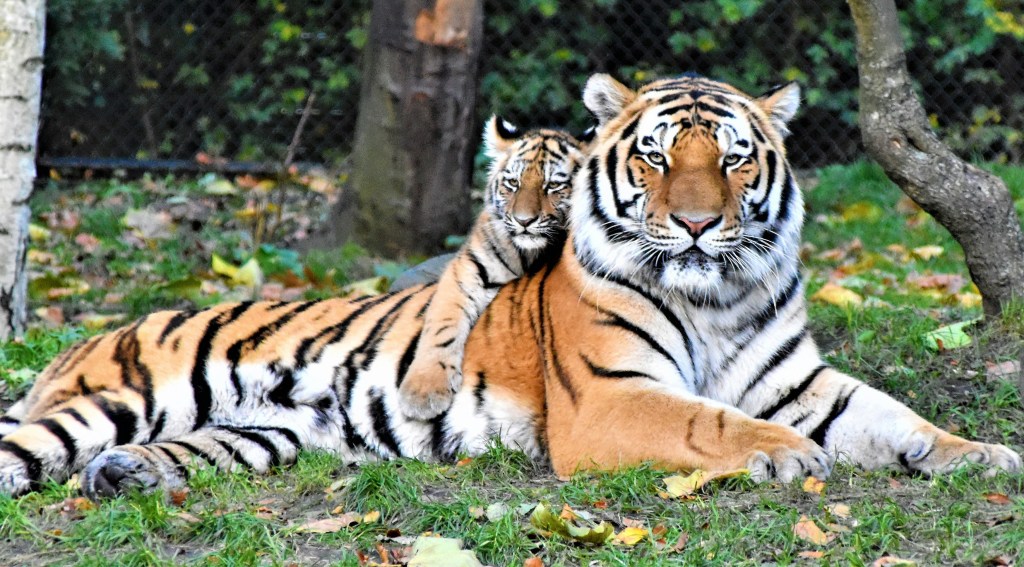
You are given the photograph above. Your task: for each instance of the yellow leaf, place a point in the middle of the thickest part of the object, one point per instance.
(807, 530)
(630, 536)
(431, 551)
(249, 274)
(265, 185)
(928, 252)
(839, 510)
(892, 560)
(370, 286)
(968, 300)
(371, 517)
(38, 233)
(862, 210)
(547, 522)
(680, 486)
(837, 295)
(813, 485)
(40, 257)
(221, 187)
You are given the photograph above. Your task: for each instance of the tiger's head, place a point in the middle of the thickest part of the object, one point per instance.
(530, 180)
(687, 186)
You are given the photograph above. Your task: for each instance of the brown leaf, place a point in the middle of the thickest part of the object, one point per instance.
(811, 554)
(659, 530)
(567, 513)
(680, 544)
(533, 562)
(632, 522)
(600, 504)
(997, 498)
(88, 242)
(1000, 561)
(893, 483)
(178, 496)
(326, 525)
(839, 510)
(1005, 369)
(949, 283)
(837, 295)
(809, 531)
(187, 518)
(813, 485)
(53, 315)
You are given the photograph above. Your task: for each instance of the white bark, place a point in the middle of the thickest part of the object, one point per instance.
(21, 62)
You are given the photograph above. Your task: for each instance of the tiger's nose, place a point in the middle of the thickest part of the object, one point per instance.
(525, 220)
(695, 227)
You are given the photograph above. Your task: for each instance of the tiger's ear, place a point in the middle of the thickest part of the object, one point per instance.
(499, 135)
(605, 97)
(780, 104)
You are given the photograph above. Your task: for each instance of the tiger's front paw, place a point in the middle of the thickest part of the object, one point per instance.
(428, 388)
(790, 459)
(128, 467)
(945, 452)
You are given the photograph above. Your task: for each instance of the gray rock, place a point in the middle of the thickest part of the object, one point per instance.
(429, 271)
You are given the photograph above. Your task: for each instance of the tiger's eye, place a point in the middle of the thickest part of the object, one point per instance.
(733, 159)
(655, 159)
(512, 183)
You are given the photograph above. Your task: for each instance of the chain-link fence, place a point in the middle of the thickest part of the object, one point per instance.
(162, 79)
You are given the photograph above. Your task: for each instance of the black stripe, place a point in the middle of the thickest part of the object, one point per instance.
(202, 395)
(352, 437)
(674, 109)
(382, 425)
(234, 352)
(176, 321)
(126, 422)
(787, 196)
(158, 426)
(609, 373)
(714, 110)
(169, 455)
(839, 405)
(777, 358)
(75, 415)
(792, 394)
(485, 282)
(134, 373)
(282, 393)
(614, 320)
(338, 329)
(369, 346)
(563, 378)
(496, 252)
(437, 436)
(770, 310)
(283, 431)
(629, 129)
(266, 444)
(58, 431)
(10, 420)
(195, 451)
(234, 454)
(33, 465)
(407, 356)
(611, 168)
(478, 390)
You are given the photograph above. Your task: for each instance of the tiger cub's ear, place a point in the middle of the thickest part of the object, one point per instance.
(499, 135)
(605, 97)
(780, 103)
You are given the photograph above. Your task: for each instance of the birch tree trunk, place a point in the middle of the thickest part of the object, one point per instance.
(972, 204)
(21, 62)
(416, 132)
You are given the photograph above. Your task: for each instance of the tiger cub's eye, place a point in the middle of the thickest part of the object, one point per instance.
(511, 182)
(656, 159)
(733, 159)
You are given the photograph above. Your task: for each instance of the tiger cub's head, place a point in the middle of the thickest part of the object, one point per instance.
(687, 185)
(530, 180)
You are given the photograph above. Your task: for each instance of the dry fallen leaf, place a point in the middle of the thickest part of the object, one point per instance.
(998, 498)
(533, 562)
(630, 536)
(547, 523)
(835, 294)
(325, 526)
(680, 544)
(680, 486)
(1007, 369)
(434, 551)
(178, 496)
(809, 531)
(811, 554)
(839, 510)
(928, 252)
(813, 485)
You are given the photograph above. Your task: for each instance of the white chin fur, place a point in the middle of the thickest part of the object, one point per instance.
(530, 242)
(691, 279)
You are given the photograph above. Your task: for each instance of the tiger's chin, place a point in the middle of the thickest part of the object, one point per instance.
(528, 242)
(693, 272)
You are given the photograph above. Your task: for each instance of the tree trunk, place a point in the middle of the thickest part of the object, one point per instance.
(972, 204)
(414, 135)
(21, 62)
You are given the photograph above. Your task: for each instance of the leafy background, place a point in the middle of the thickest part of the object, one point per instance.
(169, 79)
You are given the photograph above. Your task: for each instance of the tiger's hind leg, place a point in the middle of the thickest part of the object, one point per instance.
(167, 464)
(57, 443)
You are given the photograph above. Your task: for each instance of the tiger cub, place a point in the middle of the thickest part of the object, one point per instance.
(522, 224)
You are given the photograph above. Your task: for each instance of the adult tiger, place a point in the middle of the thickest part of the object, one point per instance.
(674, 317)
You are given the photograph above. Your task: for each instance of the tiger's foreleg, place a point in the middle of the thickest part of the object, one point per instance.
(167, 464)
(626, 422)
(64, 439)
(866, 427)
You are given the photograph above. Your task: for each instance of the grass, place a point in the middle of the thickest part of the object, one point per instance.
(241, 519)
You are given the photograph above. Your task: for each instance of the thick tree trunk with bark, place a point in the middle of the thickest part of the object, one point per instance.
(21, 64)
(415, 134)
(972, 204)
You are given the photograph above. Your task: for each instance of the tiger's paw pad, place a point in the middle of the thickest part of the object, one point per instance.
(425, 395)
(786, 463)
(119, 470)
(949, 456)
